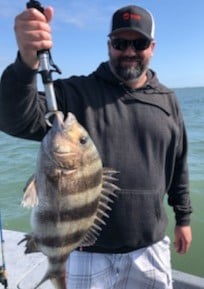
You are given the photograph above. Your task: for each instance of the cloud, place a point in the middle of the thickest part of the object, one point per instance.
(82, 14)
(10, 8)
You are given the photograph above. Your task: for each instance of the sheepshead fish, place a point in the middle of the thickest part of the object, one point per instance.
(69, 196)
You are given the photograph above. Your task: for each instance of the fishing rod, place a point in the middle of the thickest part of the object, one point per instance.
(3, 278)
(47, 66)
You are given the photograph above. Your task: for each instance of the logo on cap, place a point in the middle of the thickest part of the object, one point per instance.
(128, 16)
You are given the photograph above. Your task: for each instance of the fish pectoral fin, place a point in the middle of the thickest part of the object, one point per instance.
(31, 245)
(30, 197)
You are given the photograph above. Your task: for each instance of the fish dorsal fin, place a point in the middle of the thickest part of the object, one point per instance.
(30, 198)
(107, 195)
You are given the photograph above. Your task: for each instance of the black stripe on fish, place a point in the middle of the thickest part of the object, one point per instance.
(61, 241)
(74, 214)
(80, 185)
(60, 259)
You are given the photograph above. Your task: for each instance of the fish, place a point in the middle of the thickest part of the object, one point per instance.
(69, 196)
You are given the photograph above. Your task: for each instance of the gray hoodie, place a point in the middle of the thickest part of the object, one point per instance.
(138, 132)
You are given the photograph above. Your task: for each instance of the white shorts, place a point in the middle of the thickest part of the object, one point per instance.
(146, 268)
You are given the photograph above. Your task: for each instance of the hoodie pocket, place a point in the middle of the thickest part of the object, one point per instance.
(137, 219)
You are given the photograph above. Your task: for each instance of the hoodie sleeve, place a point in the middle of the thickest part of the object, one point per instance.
(178, 194)
(22, 108)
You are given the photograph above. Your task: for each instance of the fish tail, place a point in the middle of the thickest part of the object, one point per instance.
(57, 277)
(59, 282)
(57, 271)
(44, 279)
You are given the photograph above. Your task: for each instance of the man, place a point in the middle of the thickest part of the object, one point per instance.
(138, 128)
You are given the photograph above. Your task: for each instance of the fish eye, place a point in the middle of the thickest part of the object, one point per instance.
(83, 140)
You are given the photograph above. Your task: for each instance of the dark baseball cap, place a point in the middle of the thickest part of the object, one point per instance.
(133, 18)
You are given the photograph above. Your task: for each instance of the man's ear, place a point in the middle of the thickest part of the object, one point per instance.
(153, 44)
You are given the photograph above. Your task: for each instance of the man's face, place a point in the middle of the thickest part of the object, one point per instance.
(130, 63)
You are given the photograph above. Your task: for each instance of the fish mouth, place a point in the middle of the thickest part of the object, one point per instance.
(65, 153)
(65, 160)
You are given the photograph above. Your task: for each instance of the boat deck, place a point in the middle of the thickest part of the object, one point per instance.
(25, 271)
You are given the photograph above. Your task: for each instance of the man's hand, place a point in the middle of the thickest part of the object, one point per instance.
(182, 239)
(33, 33)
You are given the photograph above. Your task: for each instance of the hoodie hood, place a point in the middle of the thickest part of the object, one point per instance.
(153, 92)
(103, 71)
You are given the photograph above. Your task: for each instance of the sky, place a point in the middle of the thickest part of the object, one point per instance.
(80, 29)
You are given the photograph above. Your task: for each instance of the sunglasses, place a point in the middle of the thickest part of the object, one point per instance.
(122, 44)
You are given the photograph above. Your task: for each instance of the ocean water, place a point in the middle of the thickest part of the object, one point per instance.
(18, 158)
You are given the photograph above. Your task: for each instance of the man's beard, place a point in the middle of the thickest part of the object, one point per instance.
(128, 73)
